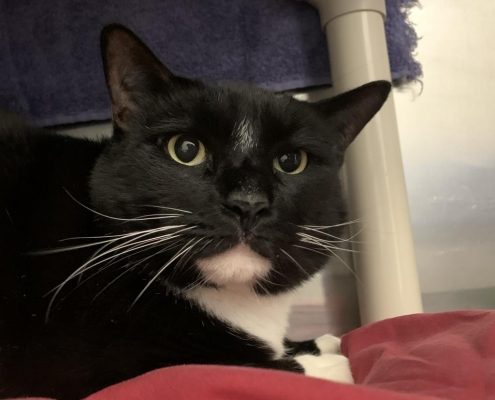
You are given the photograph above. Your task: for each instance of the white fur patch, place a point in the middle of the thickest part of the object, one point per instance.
(333, 367)
(330, 364)
(328, 344)
(263, 317)
(239, 264)
(244, 137)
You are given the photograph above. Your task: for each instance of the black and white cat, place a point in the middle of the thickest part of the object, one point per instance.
(177, 241)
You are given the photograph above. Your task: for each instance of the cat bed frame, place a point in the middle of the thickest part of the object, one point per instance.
(385, 258)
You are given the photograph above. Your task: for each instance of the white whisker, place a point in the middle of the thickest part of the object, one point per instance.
(128, 245)
(328, 255)
(126, 270)
(331, 226)
(305, 238)
(177, 255)
(295, 262)
(64, 249)
(113, 239)
(136, 250)
(340, 240)
(109, 216)
(184, 261)
(92, 264)
(167, 208)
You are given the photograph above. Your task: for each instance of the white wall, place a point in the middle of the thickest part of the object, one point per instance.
(448, 141)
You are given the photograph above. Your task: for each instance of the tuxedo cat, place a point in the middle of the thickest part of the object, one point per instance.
(179, 240)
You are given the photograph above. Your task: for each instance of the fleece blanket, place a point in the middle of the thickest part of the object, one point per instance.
(50, 64)
(446, 356)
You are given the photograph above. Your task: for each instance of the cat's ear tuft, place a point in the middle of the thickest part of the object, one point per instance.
(131, 70)
(349, 112)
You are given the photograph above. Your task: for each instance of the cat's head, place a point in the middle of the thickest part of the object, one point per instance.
(234, 184)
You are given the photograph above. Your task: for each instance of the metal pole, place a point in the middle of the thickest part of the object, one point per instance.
(374, 174)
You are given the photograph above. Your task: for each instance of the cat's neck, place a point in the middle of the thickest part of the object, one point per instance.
(263, 317)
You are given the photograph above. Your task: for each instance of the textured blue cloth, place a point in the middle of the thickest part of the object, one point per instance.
(50, 68)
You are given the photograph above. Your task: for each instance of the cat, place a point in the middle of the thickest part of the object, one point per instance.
(178, 240)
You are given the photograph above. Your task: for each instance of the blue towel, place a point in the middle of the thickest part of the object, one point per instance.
(50, 68)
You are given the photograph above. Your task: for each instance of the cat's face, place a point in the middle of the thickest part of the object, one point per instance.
(231, 183)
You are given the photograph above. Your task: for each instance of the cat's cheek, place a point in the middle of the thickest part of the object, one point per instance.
(237, 265)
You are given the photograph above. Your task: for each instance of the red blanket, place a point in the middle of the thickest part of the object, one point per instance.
(417, 357)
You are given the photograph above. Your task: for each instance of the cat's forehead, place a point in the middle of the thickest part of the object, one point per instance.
(232, 121)
(244, 136)
(255, 117)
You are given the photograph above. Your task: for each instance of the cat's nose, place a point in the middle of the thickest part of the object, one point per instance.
(248, 207)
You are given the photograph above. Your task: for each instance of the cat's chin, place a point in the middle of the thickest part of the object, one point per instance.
(238, 265)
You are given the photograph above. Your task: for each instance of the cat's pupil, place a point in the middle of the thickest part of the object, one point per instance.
(186, 149)
(289, 162)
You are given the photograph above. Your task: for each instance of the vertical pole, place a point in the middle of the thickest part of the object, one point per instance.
(385, 262)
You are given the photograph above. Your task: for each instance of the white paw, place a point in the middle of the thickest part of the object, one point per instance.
(333, 367)
(328, 344)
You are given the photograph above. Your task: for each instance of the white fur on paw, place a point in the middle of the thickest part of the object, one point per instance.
(333, 367)
(328, 344)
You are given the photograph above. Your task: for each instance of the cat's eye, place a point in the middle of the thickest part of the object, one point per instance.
(186, 150)
(293, 162)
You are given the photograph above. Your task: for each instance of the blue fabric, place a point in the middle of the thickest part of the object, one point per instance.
(50, 68)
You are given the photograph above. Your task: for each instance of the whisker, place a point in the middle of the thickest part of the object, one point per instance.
(331, 226)
(265, 279)
(92, 264)
(131, 268)
(114, 239)
(262, 287)
(219, 243)
(150, 282)
(201, 280)
(326, 234)
(139, 249)
(167, 208)
(295, 262)
(64, 249)
(126, 270)
(323, 243)
(128, 245)
(346, 265)
(328, 255)
(341, 240)
(274, 271)
(313, 250)
(197, 283)
(105, 215)
(184, 261)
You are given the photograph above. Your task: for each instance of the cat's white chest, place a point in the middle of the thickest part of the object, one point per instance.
(264, 317)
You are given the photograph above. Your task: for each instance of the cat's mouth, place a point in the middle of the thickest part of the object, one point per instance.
(223, 240)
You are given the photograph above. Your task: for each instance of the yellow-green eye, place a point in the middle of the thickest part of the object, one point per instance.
(186, 150)
(293, 162)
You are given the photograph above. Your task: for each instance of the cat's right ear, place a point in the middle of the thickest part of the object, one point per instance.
(132, 71)
(349, 112)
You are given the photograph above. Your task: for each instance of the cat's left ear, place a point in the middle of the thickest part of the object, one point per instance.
(349, 112)
(132, 71)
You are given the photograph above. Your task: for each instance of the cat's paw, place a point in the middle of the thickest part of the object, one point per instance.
(333, 367)
(328, 344)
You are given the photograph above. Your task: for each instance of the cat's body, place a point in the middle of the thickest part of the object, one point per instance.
(176, 260)
(88, 343)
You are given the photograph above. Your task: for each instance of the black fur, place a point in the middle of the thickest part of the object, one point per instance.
(94, 335)
(304, 347)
